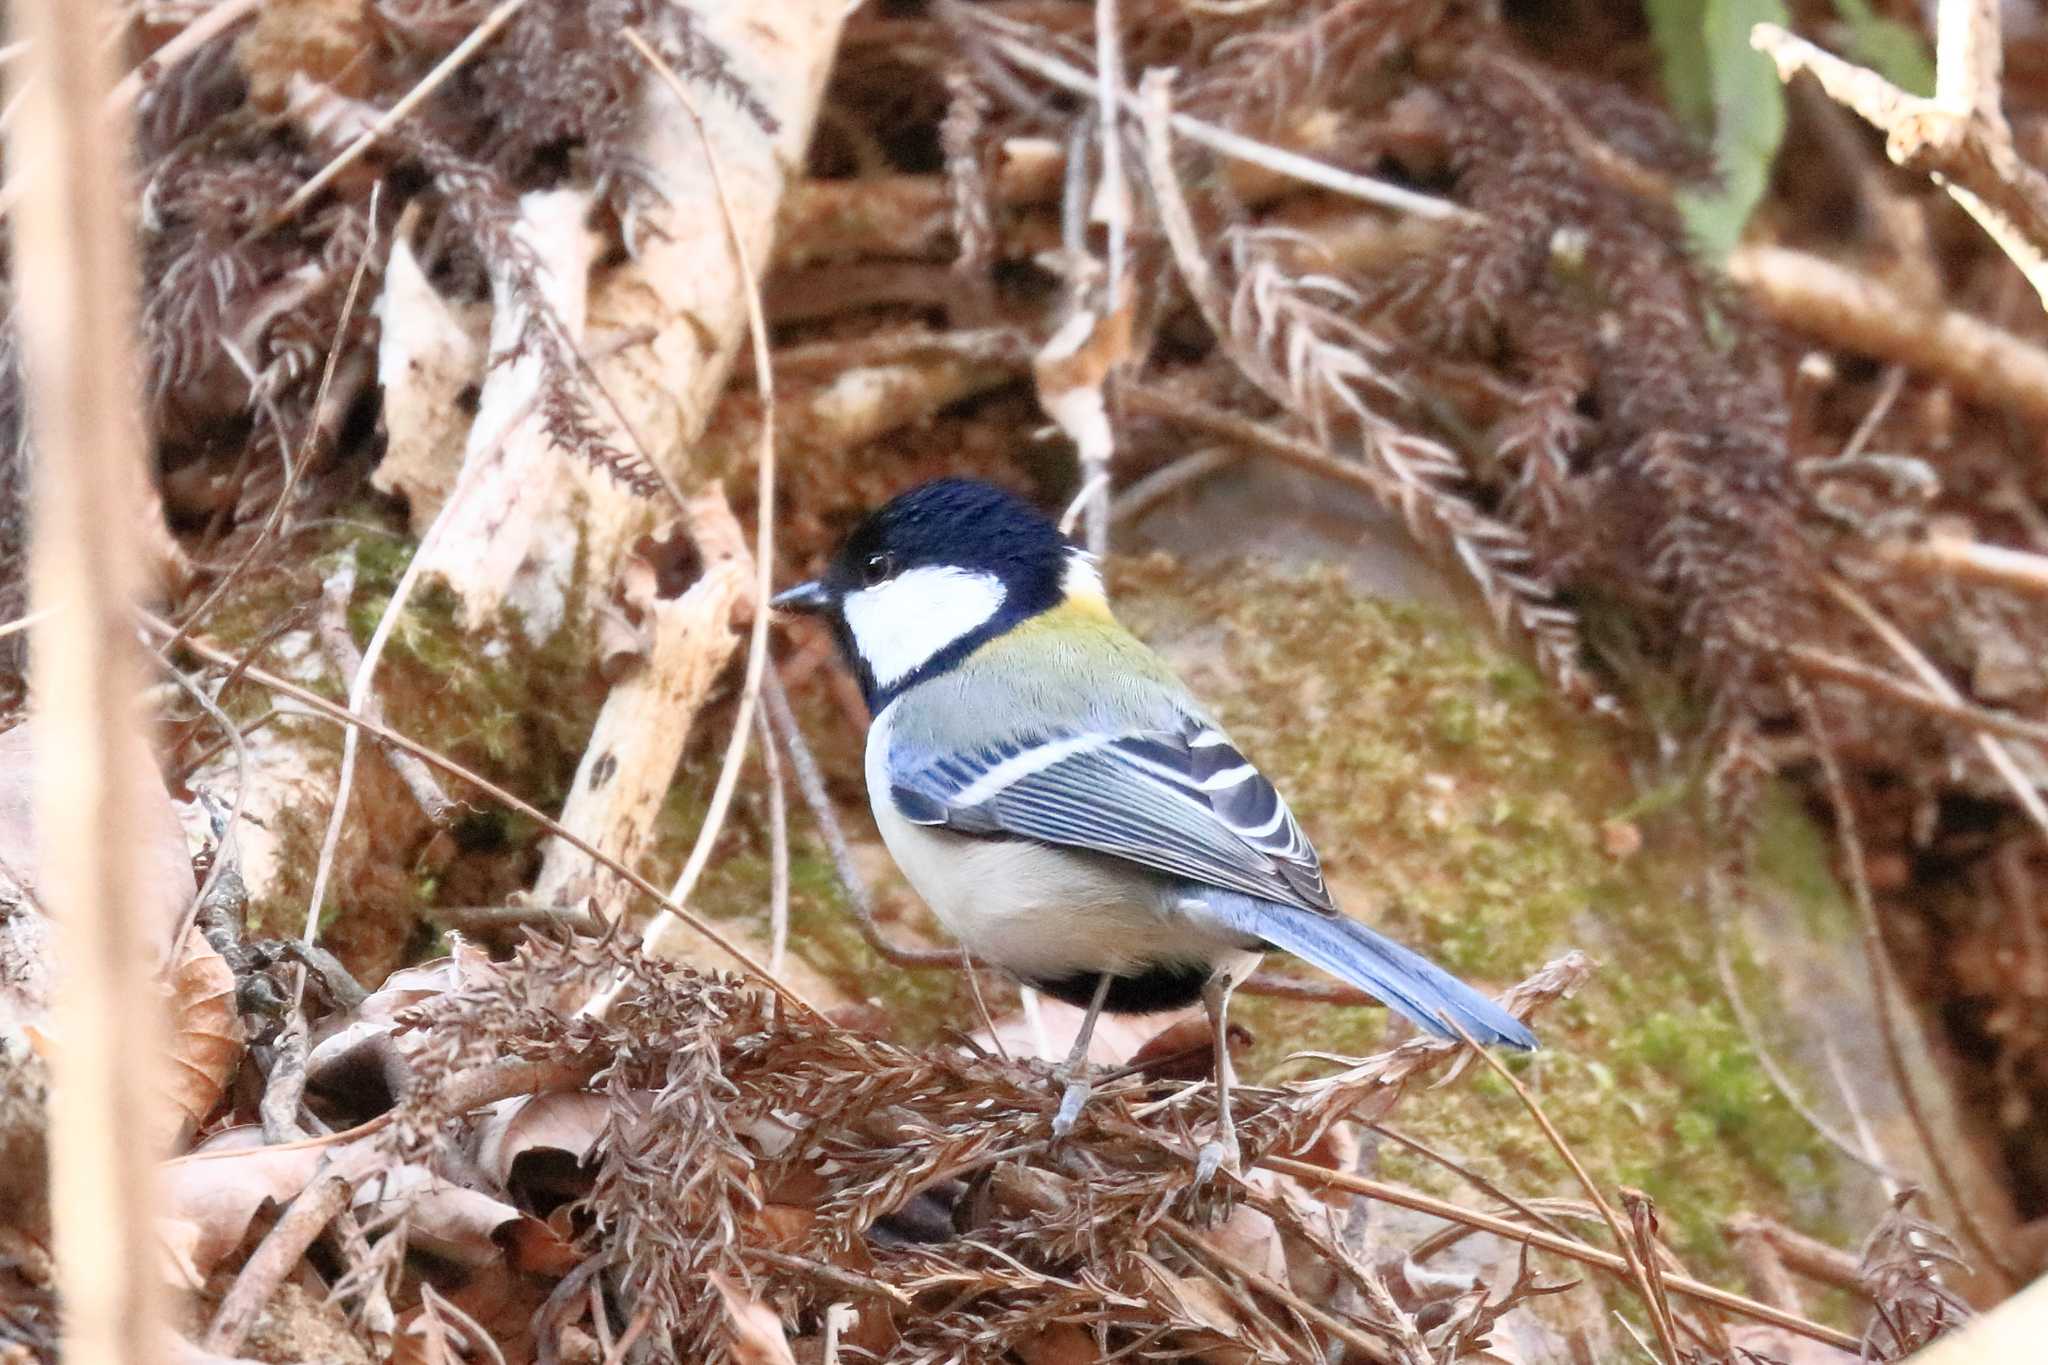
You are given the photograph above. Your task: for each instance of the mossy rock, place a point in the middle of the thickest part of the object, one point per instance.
(1461, 807)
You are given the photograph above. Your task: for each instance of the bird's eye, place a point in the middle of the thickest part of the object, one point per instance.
(877, 568)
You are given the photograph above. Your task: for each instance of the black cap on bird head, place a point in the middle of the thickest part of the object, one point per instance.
(966, 560)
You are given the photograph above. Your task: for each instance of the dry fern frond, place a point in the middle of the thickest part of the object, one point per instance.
(1902, 1266)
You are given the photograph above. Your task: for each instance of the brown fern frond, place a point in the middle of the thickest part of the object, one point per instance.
(1903, 1262)
(1290, 340)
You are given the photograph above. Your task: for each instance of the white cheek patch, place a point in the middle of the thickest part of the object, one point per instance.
(901, 624)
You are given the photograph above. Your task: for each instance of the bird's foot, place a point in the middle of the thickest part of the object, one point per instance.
(1071, 1100)
(1219, 1153)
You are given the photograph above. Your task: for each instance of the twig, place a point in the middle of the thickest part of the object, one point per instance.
(1960, 137)
(810, 784)
(1638, 1269)
(340, 647)
(1266, 1284)
(1884, 987)
(1280, 161)
(359, 693)
(1731, 991)
(75, 311)
(575, 918)
(1683, 1285)
(1995, 753)
(21, 623)
(328, 710)
(285, 1245)
(1854, 310)
(1965, 558)
(1470, 1176)
(285, 1088)
(1161, 484)
(1804, 1255)
(778, 844)
(395, 115)
(1821, 663)
(204, 28)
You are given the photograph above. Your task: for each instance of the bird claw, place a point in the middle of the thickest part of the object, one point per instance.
(1071, 1100)
(1219, 1153)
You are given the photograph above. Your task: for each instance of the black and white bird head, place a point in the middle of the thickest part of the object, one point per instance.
(936, 572)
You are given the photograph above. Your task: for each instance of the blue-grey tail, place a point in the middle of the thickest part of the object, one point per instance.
(1404, 980)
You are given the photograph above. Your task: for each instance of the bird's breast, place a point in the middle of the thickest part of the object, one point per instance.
(1037, 910)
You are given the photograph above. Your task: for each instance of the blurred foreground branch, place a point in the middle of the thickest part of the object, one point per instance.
(76, 315)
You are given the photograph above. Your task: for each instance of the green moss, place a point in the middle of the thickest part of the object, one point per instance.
(514, 710)
(1461, 807)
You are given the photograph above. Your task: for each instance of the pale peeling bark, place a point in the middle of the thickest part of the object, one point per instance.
(530, 511)
(639, 739)
(511, 531)
(426, 356)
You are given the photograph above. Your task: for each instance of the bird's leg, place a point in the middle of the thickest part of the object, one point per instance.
(1220, 1152)
(1076, 1068)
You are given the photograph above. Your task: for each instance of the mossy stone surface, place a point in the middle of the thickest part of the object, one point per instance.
(1463, 809)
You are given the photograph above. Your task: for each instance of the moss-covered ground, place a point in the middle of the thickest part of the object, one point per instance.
(1455, 802)
(1462, 808)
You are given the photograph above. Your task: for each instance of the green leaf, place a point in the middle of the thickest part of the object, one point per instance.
(1893, 50)
(1749, 122)
(1678, 29)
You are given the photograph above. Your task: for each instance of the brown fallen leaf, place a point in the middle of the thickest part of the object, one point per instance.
(569, 1122)
(212, 1196)
(455, 1223)
(757, 1335)
(363, 1044)
(207, 1039)
(1186, 1051)
(1060, 1344)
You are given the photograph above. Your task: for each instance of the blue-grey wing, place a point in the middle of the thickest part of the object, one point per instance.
(1182, 801)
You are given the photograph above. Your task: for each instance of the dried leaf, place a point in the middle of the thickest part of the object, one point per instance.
(207, 1039)
(25, 947)
(1186, 1050)
(212, 1196)
(1059, 1345)
(757, 1335)
(569, 1122)
(445, 1218)
(1117, 1037)
(375, 1026)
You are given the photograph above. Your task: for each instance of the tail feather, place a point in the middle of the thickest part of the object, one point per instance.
(1402, 979)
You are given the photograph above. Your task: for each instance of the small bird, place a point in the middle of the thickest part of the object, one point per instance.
(1068, 810)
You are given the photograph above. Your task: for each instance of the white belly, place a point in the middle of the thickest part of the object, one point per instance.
(1038, 911)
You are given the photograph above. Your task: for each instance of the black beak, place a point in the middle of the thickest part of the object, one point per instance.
(804, 597)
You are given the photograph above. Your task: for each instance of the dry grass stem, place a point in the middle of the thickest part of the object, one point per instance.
(1884, 987)
(1640, 1269)
(1614, 1264)
(764, 532)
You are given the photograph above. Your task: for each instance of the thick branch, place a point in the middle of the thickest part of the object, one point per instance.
(1850, 309)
